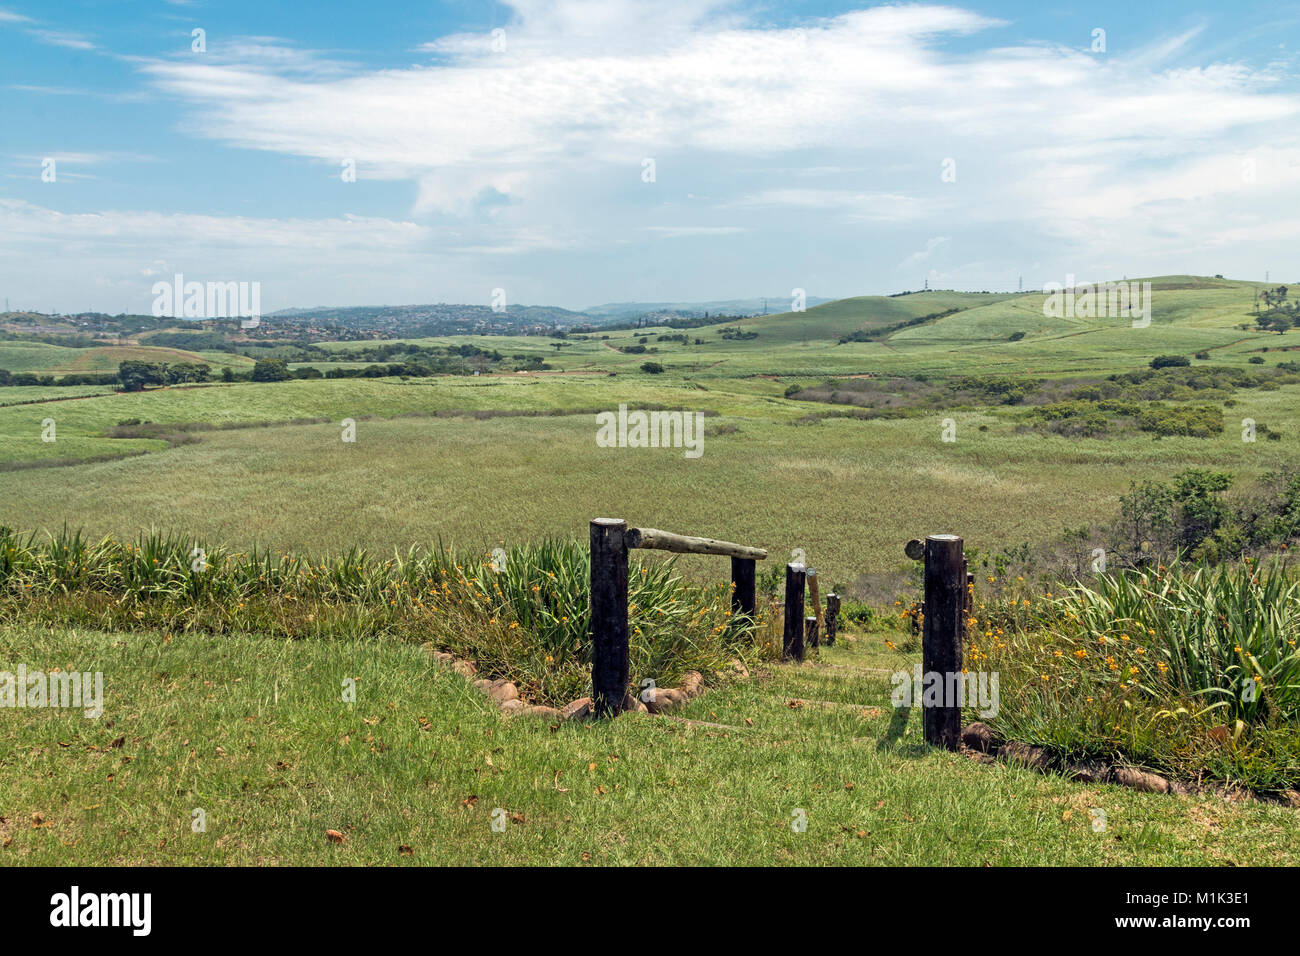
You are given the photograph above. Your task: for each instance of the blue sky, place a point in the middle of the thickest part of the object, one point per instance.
(504, 145)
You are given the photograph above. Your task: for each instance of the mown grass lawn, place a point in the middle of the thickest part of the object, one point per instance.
(255, 733)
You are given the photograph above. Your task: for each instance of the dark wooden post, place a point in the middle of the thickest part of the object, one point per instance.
(810, 631)
(832, 617)
(742, 586)
(814, 594)
(609, 632)
(941, 639)
(792, 638)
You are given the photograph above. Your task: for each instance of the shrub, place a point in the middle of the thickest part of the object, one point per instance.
(271, 370)
(527, 621)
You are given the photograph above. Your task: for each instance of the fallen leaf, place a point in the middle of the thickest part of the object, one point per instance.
(405, 850)
(334, 836)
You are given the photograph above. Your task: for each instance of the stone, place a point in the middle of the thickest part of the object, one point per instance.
(580, 709)
(1088, 771)
(978, 736)
(464, 668)
(1018, 753)
(1290, 798)
(692, 684)
(1141, 780)
(739, 667)
(499, 691)
(660, 700)
(512, 706)
(538, 710)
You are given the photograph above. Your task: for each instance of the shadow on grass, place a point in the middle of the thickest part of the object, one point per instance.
(893, 740)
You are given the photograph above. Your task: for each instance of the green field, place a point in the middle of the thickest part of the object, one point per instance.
(250, 728)
(430, 462)
(254, 733)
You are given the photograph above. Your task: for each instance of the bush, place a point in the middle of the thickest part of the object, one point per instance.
(271, 370)
(1188, 669)
(1170, 361)
(652, 368)
(527, 621)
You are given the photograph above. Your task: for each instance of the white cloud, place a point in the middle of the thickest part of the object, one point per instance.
(922, 254)
(832, 130)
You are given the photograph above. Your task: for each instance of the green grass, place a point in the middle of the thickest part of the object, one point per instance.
(521, 612)
(847, 492)
(1190, 670)
(255, 733)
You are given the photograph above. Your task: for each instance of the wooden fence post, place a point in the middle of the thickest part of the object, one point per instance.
(832, 617)
(810, 631)
(742, 582)
(814, 594)
(792, 638)
(941, 640)
(609, 631)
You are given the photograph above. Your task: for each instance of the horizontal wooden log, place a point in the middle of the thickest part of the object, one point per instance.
(685, 544)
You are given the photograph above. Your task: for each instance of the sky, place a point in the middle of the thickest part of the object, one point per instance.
(576, 152)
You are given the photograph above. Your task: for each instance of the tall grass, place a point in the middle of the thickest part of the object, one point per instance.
(1192, 668)
(525, 617)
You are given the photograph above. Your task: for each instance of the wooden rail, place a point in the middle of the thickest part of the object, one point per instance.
(611, 539)
(684, 544)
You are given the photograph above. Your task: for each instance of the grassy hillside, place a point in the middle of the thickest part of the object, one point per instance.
(452, 457)
(253, 732)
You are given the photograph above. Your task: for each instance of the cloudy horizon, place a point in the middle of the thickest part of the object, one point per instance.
(574, 152)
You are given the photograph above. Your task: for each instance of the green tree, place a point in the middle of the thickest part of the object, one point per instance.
(271, 370)
(135, 376)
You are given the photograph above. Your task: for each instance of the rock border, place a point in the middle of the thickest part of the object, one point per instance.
(504, 693)
(979, 742)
